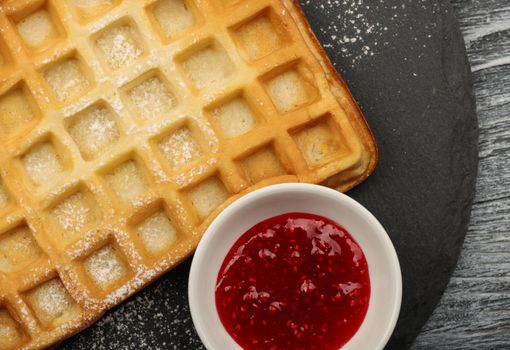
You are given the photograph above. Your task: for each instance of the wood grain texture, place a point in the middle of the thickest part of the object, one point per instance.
(474, 312)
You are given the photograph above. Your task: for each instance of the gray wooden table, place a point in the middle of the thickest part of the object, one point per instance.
(474, 312)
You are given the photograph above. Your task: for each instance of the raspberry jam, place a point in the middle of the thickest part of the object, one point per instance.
(294, 281)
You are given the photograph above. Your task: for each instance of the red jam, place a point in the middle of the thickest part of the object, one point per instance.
(294, 281)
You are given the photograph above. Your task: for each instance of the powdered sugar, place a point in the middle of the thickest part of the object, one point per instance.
(180, 148)
(352, 30)
(41, 162)
(50, 300)
(153, 99)
(66, 79)
(146, 321)
(73, 214)
(94, 130)
(157, 232)
(119, 46)
(105, 266)
(357, 30)
(37, 28)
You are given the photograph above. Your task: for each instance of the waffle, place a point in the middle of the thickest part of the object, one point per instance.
(126, 127)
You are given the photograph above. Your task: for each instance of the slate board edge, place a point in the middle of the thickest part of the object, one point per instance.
(460, 80)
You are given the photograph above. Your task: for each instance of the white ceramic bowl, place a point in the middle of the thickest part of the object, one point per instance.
(383, 266)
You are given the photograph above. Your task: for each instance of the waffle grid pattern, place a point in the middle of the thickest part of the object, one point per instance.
(127, 126)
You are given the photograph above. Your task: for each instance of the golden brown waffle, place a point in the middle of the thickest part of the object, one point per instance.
(126, 127)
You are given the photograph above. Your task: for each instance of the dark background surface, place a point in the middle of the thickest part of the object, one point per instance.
(405, 64)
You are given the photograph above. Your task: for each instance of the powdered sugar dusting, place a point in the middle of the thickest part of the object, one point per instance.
(352, 29)
(355, 30)
(94, 130)
(50, 300)
(127, 181)
(105, 266)
(73, 214)
(183, 178)
(157, 318)
(157, 232)
(10, 334)
(42, 162)
(153, 99)
(36, 28)
(66, 79)
(180, 148)
(119, 46)
(53, 298)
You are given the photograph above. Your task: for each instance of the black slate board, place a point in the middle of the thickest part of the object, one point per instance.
(406, 65)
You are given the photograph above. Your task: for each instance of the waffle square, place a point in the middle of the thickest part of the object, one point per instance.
(127, 126)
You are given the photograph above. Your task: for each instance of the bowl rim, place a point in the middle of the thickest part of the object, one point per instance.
(209, 237)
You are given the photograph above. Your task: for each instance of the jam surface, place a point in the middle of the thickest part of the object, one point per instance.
(294, 281)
